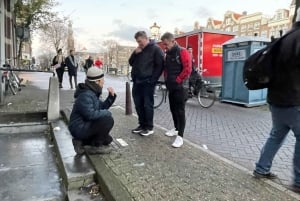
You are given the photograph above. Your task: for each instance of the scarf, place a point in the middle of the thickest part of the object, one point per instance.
(73, 60)
(59, 58)
(94, 87)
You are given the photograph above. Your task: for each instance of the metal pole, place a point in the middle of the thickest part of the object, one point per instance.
(128, 105)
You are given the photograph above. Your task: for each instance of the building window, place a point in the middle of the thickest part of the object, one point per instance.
(228, 29)
(235, 28)
(243, 28)
(8, 50)
(273, 32)
(228, 21)
(7, 28)
(256, 25)
(7, 5)
(279, 16)
(264, 34)
(250, 26)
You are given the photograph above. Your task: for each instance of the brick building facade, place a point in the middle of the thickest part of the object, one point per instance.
(256, 23)
(7, 33)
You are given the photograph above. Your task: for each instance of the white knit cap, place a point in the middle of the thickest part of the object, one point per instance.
(94, 74)
(298, 15)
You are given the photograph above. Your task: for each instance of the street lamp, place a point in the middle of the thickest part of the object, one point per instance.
(154, 29)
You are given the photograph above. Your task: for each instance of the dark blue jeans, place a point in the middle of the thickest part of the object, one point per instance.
(98, 132)
(143, 97)
(284, 119)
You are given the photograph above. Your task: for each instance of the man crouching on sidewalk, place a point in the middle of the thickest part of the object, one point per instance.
(90, 121)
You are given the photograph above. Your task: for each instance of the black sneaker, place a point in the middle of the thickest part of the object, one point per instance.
(137, 130)
(264, 176)
(92, 150)
(146, 132)
(78, 148)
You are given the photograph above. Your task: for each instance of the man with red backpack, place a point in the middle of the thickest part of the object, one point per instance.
(178, 67)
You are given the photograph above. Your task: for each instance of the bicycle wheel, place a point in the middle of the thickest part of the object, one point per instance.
(5, 85)
(206, 96)
(12, 87)
(2, 89)
(159, 95)
(16, 81)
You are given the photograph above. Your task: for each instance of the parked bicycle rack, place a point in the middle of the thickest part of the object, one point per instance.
(2, 85)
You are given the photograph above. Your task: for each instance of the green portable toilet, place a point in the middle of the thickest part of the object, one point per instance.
(235, 52)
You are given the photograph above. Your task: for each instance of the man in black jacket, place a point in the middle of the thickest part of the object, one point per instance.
(147, 66)
(72, 64)
(90, 120)
(178, 67)
(284, 100)
(88, 63)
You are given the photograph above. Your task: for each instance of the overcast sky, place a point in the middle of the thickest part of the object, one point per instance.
(98, 20)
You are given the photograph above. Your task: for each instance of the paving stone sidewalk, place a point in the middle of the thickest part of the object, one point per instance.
(150, 169)
(234, 132)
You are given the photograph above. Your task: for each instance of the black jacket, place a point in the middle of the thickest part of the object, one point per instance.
(87, 108)
(88, 63)
(72, 65)
(284, 90)
(54, 61)
(147, 66)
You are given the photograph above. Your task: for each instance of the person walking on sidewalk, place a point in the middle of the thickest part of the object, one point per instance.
(98, 63)
(90, 120)
(72, 65)
(88, 63)
(178, 67)
(284, 102)
(58, 63)
(147, 66)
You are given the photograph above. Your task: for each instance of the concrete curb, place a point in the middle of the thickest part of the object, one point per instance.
(111, 187)
(218, 157)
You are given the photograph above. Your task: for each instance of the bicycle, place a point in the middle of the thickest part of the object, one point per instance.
(160, 94)
(10, 80)
(205, 94)
(202, 89)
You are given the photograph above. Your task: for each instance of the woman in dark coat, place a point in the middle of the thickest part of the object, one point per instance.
(72, 65)
(59, 63)
(90, 121)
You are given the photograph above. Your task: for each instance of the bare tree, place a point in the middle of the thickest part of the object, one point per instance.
(45, 61)
(55, 34)
(112, 49)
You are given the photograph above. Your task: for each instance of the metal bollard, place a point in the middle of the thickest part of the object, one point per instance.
(128, 106)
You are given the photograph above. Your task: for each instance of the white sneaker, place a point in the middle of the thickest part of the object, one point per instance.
(172, 132)
(178, 142)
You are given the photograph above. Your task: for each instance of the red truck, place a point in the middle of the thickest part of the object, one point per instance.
(207, 50)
